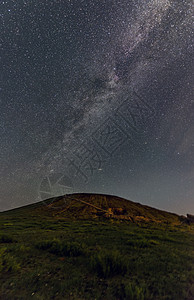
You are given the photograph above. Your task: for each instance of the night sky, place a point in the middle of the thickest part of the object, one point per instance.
(96, 96)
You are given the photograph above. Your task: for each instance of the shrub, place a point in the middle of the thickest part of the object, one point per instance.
(108, 263)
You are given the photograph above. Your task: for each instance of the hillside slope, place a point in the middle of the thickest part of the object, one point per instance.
(87, 206)
(71, 247)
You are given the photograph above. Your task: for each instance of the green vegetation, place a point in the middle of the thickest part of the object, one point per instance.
(6, 239)
(7, 262)
(50, 257)
(62, 248)
(108, 263)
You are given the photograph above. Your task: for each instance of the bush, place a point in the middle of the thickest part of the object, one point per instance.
(7, 262)
(62, 248)
(108, 263)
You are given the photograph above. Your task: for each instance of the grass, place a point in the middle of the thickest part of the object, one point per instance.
(49, 258)
(7, 262)
(130, 290)
(6, 239)
(108, 263)
(62, 248)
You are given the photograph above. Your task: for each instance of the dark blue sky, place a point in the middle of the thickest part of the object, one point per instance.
(96, 96)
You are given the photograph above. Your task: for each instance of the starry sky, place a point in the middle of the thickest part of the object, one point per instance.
(97, 96)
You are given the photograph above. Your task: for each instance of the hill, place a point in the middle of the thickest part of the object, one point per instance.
(92, 206)
(90, 246)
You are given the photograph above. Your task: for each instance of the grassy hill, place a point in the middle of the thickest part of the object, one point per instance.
(91, 206)
(90, 246)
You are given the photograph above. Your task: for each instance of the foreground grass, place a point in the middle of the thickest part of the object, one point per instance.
(45, 258)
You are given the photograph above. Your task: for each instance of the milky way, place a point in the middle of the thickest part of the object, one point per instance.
(98, 93)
